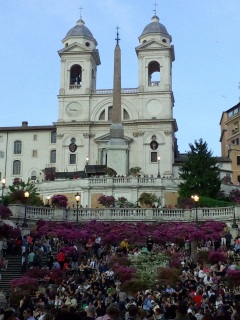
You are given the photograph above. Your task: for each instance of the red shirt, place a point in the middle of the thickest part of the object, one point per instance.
(198, 299)
(60, 256)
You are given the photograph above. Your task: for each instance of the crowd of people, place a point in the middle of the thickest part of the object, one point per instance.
(91, 290)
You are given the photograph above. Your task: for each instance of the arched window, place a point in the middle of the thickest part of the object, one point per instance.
(53, 156)
(17, 147)
(76, 75)
(53, 137)
(110, 109)
(16, 167)
(125, 115)
(102, 115)
(154, 73)
(108, 117)
(34, 175)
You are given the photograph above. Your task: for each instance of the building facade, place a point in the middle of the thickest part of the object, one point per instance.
(230, 140)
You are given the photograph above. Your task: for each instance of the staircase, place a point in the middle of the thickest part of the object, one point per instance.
(14, 271)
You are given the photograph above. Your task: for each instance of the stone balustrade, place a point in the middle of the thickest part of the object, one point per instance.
(33, 214)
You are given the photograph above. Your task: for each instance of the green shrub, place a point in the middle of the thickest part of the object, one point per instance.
(204, 202)
(210, 202)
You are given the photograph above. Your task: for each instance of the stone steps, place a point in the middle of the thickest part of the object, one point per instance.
(14, 271)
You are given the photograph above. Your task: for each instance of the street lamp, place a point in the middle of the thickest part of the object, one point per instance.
(77, 197)
(159, 158)
(3, 187)
(195, 198)
(48, 201)
(25, 225)
(87, 159)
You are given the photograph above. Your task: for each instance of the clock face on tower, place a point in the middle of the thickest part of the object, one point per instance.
(73, 109)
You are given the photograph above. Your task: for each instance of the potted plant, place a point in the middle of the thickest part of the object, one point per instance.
(148, 199)
(110, 172)
(59, 201)
(106, 201)
(134, 171)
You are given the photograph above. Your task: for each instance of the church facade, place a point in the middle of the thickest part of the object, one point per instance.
(81, 134)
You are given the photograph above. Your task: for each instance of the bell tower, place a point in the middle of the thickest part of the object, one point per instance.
(155, 56)
(79, 61)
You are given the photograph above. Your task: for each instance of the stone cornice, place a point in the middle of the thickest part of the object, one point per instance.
(108, 123)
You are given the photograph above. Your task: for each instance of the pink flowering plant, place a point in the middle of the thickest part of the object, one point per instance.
(5, 213)
(59, 200)
(106, 201)
(217, 256)
(233, 277)
(25, 283)
(136, 233)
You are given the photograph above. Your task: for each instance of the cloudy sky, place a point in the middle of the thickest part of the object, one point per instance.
(206, 72)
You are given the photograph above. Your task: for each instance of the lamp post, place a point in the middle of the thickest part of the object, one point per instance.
(195, 198)
(159, 158)
(3, 187)
(25, 225)
(48, 201)
(77, 197)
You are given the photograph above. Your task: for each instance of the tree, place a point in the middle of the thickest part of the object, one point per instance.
(200, 173)
(16, 193)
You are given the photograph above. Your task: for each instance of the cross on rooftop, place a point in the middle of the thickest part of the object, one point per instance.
(155, 9)
(117, 35)
(81, 8)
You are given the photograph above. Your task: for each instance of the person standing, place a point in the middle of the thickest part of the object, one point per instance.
(149, 243)
(61, 258)
(75, 257)
(30, 259)
(124, 244)
(50, 260)
(4, 247)
(228, 237)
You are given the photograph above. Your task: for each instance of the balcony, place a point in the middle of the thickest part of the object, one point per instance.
(33, 214)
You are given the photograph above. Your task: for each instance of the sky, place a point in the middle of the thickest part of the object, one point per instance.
(206, 71)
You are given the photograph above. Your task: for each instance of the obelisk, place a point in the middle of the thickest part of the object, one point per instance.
(116, 148)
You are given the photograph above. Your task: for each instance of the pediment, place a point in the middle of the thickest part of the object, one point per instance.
(153, 44)
(75, 47)
(106, 137)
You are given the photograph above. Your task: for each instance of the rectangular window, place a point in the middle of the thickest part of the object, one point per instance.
(17, 147)
(238, 178)
(153, 156)
(53, 137)
(238, 160)
(33, 175)
(72, 159)
(16, 167)
(53, 156)
(35, 137)
(34, 153)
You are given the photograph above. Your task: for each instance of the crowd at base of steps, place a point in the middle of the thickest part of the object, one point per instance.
(91, 289)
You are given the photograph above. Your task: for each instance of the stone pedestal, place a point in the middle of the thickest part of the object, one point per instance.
(234, 232)
(117, 158)
(25, 231)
